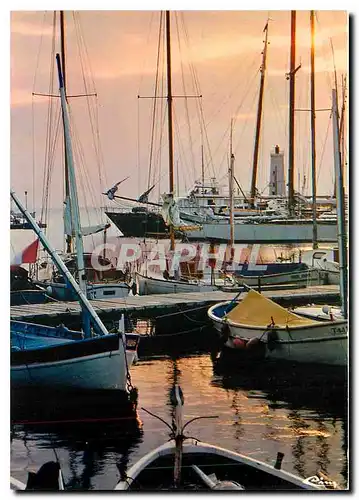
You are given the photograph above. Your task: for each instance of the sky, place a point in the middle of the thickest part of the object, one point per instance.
(114, 53)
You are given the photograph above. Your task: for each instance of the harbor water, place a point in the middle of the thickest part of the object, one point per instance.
(257, 416)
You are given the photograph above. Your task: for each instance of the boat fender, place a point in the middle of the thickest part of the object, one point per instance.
(225, 331)
(133, 288)
(256, 346)
(239, 343)
(272, 338)
(254, 343)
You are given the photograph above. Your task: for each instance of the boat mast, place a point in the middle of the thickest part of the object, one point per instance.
(291, 77)
(72, 187)
(340, 207)
(61, 266)
(231, 199)
(63, 64)
(312, 121)
(259, 118)
(170, 119)
(202, 166)
(342, 123)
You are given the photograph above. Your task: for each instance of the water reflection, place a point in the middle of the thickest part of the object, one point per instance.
(307, 414)
(259, 415)
(93, 452)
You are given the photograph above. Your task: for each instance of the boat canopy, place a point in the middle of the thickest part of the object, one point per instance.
(257, 310)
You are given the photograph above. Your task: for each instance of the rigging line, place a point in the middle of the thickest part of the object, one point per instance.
(138, 107)
(82, 51)
(80, 151)
(33, 152)
(39, 51)
(156, 107)
(45, 194)
(324, 55)
(154, 103)
(322, 152)
(180, 148)
(277, 107)
(225, 134)
(186, 101)
(85, 181)
(199, 103)
(33, 111)
(138, 147)
(147, 45)
(160, 149)
(160, 126)
(92, 110)
(246, 93)
(51, 161)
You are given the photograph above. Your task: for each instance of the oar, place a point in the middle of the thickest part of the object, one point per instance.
(207, 480)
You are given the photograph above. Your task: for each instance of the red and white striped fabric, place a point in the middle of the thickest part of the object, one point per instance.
(28, 255)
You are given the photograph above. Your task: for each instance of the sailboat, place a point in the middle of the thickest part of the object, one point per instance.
(50, 357)
(103, 284)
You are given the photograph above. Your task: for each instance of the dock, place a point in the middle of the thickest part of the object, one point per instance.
(146, 306)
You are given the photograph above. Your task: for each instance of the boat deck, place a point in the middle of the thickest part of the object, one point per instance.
(153, 305)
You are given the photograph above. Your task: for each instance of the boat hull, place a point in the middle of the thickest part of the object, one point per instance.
(148, 285)
(227, 465)
(274, 232)
(62, 292)
(141, 224)
(323, 343)
(96, 363)
(309, 277)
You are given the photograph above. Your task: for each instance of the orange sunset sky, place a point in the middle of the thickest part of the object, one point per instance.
(223, 48)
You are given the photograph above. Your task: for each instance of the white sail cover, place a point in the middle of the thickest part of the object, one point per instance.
(170, 211)
(171, 215)
(86, 231)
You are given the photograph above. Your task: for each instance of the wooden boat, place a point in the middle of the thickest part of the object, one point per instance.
(43, 356)
(148, 285)
(185, 463)
(302, 276)
(103, 283)
(108, 284)
(46, 357)
(23, 290)
(259, 324)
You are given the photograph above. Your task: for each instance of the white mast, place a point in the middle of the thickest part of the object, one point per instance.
(72, 183)
(340, 207)
(231, 186)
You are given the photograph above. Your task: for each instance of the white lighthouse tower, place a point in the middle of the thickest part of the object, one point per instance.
(276, 175)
